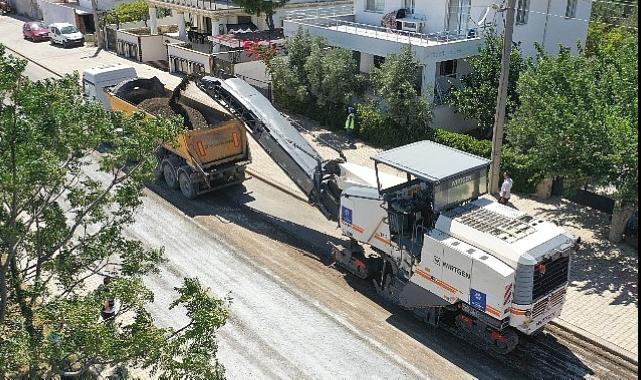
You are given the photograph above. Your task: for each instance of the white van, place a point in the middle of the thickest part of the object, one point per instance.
(97, 80)
(65, 34)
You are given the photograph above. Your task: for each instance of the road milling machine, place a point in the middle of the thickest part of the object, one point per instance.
(426, 238)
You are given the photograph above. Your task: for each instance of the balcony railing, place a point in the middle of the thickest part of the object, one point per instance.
(340, 20)
(207, 5)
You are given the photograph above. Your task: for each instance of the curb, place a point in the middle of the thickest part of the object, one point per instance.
(34, 62)
(597, 341)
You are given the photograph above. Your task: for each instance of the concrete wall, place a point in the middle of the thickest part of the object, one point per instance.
(56, 13)
(27, 8)
(153, 48)
(567, 32)
(189, 55)
(103, 5)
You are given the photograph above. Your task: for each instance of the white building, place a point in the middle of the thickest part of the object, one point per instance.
(75, 12)
(442, 33)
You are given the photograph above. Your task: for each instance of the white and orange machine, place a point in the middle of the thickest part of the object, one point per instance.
(426, 238)
(450, 256)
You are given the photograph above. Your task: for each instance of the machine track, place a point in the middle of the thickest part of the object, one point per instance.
(556, 354)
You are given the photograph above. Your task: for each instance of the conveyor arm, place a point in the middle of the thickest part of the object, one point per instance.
(280, 139)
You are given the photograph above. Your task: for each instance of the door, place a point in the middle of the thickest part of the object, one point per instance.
(458, 16)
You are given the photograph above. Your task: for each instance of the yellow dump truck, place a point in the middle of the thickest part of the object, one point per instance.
(213, 153)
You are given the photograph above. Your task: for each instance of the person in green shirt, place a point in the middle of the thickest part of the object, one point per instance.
(350, 124)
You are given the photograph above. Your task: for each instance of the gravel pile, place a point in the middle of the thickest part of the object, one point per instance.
(193, 119)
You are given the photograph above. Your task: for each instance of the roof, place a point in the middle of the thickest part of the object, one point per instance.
(431, 161)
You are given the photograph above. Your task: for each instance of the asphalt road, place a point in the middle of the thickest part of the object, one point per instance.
(293, 316)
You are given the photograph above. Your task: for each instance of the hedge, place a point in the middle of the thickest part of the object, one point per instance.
(375, 129)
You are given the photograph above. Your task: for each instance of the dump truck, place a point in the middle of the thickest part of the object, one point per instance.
(211, 154)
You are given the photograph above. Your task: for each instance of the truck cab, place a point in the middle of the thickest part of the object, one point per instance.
(97, 80)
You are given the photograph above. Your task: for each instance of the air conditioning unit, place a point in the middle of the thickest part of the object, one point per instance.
(412, 25)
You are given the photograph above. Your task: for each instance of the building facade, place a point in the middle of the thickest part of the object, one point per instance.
(442, 33)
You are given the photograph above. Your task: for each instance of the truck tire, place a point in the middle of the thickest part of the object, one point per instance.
(170, 174)
(187, 187)
(158, 172)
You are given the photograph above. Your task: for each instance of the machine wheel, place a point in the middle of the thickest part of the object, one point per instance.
(170, 175)
(187, 187)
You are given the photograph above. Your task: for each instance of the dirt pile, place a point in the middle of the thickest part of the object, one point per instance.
(193, 119)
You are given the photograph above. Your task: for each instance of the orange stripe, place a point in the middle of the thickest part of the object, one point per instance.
(358, 228)
(492, 310)
(438, 282)
(517, 311)
(383, 240)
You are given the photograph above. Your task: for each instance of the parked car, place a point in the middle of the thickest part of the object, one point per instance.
(65, 34)
(35, 31)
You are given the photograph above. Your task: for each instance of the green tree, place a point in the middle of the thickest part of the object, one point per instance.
(315, 79)
(398, 97)
(476, 98)
(63, 209)
(578, 119)
(137, 10)
(260, 7)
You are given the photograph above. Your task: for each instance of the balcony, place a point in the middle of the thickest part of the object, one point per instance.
(339, 29)
(203, 7)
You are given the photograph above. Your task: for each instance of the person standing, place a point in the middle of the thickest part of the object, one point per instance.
(506, 188)
(350, 125)
(108, 311)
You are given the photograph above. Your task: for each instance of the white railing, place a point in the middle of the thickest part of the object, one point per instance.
(207, 5)
(336, 19)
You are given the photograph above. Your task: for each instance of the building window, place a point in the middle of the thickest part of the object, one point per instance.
(375, 5)
(522, 9)
(448, 68)
(570, 9)
(409, 6)
(378, 61)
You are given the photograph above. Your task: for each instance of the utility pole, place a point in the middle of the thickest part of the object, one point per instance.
(96, 23)
(501, 98)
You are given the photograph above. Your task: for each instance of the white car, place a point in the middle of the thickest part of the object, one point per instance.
(65, 34)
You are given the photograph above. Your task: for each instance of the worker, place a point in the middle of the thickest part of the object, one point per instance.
(506, 188)
(349, 126)
(108, 311)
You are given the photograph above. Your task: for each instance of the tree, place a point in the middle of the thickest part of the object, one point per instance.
(258, 7)
(397, 87)
(128, 12)
(316, 79)
(476, 99)
(578, 119)
(63, 209)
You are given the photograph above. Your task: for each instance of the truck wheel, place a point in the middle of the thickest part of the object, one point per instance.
(187, 187)
(64, 44)
(158, 173)
(169, 172)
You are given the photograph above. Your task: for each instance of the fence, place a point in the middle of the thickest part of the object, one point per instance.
(263, 87)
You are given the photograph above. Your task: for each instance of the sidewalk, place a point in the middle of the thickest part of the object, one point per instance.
(603, 295)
